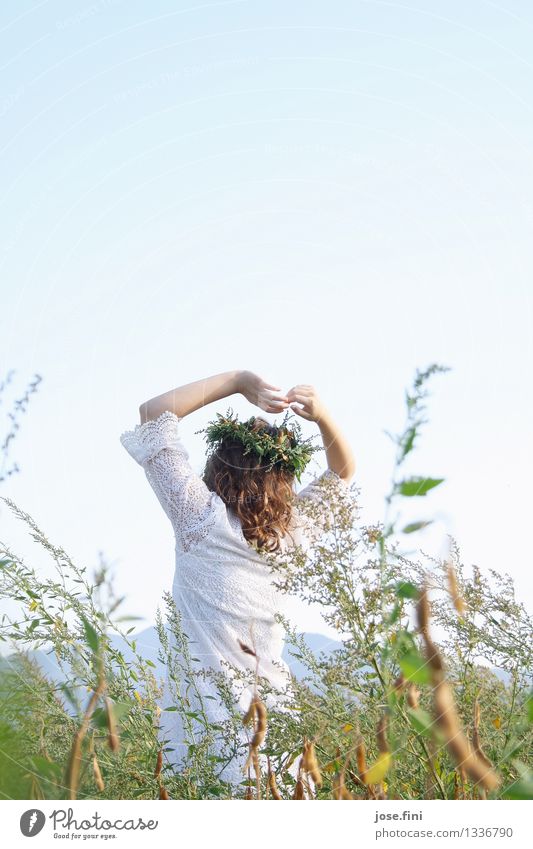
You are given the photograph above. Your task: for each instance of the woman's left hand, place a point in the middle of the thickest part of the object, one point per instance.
(264, 395)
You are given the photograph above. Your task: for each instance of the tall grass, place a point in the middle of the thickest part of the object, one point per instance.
(19, 407)
(396, 712)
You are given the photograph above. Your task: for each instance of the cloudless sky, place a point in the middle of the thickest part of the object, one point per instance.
(330, 193)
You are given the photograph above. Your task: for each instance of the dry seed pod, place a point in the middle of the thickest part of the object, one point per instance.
(255, 762)
(457, 599)
(74, 762)
(307, 786)
(299, 790)
(456, 741)
(360, 752)
(73, 767)
(430, 783)
(477, 714)
(413, 694)
(355, 778)
(250, 713)
(112, 737)
(97, 774)
(434, 658)
(159, 763)
(261, 716)
(272, 784)
(475, 737)
(446, 714)
(340, 791)
(113, 742)
(289, 762)
(383, 745)
(246, 649)
(310, 763)
(400, 683)
(260, 730)
(459, 783)
(422, 610)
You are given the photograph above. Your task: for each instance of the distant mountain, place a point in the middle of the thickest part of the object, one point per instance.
(147, 644)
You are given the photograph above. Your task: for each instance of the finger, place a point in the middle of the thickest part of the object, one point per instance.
(296, 390)
(271, 386)
(273, 391)
(300, 412)
(274, 396)
(271, 409)
(301, 399)
(275, 403)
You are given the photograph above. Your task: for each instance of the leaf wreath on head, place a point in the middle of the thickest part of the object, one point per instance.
(284, 448)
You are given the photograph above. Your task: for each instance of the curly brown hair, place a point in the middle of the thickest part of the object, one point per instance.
(261, 498)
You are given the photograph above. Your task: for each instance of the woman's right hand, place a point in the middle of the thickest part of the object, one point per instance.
(264, 395)
(312, 407)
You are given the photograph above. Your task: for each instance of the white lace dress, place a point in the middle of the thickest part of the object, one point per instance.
(222, 587)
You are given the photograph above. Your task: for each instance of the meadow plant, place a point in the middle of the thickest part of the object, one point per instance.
(426, 695)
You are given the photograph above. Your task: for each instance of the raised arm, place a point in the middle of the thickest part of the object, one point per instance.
(338, 451)
(191, 396)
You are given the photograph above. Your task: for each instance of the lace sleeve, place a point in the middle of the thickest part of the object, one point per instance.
(182, 493)
(318, 515)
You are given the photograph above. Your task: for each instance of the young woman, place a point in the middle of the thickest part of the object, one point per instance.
(224, 521)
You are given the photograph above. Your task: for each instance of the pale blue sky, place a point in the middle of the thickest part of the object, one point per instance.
(329, 193)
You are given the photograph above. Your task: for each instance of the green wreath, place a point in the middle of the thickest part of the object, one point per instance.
(285, 448)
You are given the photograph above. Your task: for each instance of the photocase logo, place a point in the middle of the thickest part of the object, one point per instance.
(31, 822)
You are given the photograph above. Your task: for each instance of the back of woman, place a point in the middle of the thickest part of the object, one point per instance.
(224, 522)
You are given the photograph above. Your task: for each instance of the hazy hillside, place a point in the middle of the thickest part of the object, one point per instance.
(147, 643)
